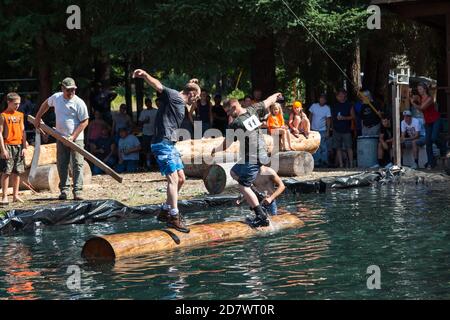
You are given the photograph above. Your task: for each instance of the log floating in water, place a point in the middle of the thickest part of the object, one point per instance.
(117, 246)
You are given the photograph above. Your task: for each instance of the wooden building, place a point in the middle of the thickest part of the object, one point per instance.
(435, 14)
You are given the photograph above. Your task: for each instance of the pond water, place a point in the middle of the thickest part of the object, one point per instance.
(405, 231)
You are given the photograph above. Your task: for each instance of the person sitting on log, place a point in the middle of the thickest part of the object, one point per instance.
(276, 127)
(253, 155)
(13, 142)
(298, 121)
(268, 186)
(168, 120)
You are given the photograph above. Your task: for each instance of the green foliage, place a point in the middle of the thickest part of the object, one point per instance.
(236, 94)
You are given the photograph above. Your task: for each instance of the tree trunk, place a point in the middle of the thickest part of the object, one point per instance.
(128, 94)
(355, 68)
(139, 85)
(263, 65)
(44, 70)
(103, 69)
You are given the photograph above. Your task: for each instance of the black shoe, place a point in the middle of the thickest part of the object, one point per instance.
(62, 196)
(177, 222)
(261, 218)
(258, 222)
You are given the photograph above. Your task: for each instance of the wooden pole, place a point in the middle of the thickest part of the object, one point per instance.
(118, 246)
(88, 156)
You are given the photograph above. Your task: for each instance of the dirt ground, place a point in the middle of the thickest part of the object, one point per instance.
(139, 189)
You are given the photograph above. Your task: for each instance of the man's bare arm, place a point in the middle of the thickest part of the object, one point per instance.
(280, 186)
(155, 83)
(79, 130)
(271, 100)
(42, 110)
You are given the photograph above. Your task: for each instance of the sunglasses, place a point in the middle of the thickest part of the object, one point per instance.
(70, 90)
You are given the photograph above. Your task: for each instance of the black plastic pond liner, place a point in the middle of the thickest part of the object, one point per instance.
(96, 211)
(111, 210)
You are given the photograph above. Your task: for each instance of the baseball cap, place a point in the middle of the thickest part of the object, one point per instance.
(298, 105)
(407, 113)
(69, 83)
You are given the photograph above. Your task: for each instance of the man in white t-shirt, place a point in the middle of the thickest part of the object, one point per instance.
(412, 135)
(72, 118)
(147, 121)
(320, 118)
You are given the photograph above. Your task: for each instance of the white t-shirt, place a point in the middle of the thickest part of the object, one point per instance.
(130, 142)
(69, 113)
(319, 116)
(148, 117)
(412, 128)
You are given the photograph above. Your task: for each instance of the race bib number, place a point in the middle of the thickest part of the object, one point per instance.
(252, 123)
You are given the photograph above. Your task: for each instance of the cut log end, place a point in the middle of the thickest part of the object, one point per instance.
(98, 249)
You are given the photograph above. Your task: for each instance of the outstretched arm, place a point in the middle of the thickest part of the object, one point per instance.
(271, 100)
(42, 110)
(155, 83)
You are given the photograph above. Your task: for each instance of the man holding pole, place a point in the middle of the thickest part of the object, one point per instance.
(168, 120)
(72, 118)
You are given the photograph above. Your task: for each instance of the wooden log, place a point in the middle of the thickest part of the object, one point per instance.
(294, 163)
(47, 155)
(47, 178)
(198, 148)
(88, 156)
(218, 178)
(118, 246)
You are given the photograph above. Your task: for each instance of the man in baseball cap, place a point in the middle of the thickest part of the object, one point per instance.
(413, 136)
(71, 119)
(69, 83)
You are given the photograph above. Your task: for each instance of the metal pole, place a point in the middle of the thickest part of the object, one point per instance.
(396, 124)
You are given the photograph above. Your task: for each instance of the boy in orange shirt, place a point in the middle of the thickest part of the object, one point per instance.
(13, 143)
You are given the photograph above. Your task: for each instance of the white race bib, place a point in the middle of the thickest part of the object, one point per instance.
(252, 123)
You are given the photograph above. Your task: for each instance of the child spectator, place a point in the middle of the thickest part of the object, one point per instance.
(122, 120)
(276, 127)
(385, 144)
(129, 147)
(103, 148)
(13, 143)
(298, 121)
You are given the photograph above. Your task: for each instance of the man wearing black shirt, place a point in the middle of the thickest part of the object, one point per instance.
(168, 120)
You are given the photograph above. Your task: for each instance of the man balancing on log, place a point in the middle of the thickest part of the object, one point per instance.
(170, 115)
(253, 155)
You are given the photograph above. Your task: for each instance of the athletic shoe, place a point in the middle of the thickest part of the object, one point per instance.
(375, 166)
(389, 165)
(163, 215)
(177, 222)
